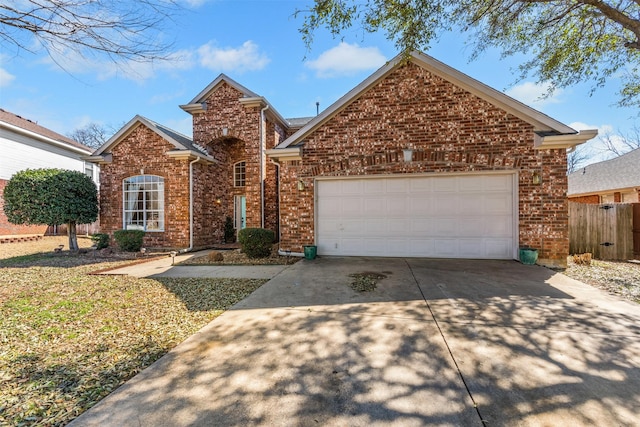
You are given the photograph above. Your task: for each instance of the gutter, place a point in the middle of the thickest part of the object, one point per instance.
(46, 139)
(262, 153)
(190, 248)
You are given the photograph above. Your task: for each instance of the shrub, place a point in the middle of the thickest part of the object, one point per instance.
(256, 242)
(129, 240)
(229, 231)
(101, 240)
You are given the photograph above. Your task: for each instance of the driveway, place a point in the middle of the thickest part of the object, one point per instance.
(439, 342)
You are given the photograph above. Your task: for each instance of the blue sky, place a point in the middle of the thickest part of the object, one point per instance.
(257, 43)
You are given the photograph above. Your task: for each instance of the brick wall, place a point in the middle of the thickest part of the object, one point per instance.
(450, 130)
(592, 199)
(241, 142)
(143, 151)
(8, 229)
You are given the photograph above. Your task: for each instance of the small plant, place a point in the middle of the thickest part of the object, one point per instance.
(101, 240)
(129, 240)
(256, 242)
(229, 231)
(365, 282)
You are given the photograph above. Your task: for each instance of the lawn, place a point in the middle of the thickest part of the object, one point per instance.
(69, 338)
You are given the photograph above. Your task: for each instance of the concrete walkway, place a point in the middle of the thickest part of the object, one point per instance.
(167, 267)
(439, 342)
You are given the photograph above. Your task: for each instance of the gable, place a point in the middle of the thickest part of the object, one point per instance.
(549, 132)
(182, 146)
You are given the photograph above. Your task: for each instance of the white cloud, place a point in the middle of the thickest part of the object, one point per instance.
(346, 59)
(6, 78)
(244, 58)
(599, 148)
(532, 94)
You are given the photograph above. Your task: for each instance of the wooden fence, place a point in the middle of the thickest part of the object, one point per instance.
(604, 230)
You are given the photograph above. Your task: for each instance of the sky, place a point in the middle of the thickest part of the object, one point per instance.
(257, 43)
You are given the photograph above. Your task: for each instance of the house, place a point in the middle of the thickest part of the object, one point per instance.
(612, 181)
(26, 145)
(417, 160)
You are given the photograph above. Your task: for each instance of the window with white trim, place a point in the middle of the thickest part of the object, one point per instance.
(143, 203)
(239, 174)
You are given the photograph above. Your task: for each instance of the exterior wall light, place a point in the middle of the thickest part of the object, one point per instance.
(300, 184)
(225, 131)
(408, 154)
(536, 179)
(218, 200)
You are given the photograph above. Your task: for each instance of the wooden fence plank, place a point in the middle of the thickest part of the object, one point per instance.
(606, 231)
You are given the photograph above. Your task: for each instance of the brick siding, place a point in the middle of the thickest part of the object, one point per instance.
(450, 130)
(592, 199)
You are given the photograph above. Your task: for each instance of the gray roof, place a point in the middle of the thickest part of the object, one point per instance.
(180, 141)
(615, 174)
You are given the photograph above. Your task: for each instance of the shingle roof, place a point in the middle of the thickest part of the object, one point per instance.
(179, 141)
(177, 136)
(28, 125)
(621, 172)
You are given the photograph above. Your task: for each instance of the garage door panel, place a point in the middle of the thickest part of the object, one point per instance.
(499, 227)
(445, 248)
(397, 186)
(398, 206)
(421, 205)
(375, 206)
(498, 248)
(462, 216)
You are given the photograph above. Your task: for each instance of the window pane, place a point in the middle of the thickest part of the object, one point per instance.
(143, 203)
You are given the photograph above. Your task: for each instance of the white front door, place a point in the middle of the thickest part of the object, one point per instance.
(240, 212)
(442, 216)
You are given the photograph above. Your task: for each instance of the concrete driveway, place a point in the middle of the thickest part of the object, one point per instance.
(440, 342)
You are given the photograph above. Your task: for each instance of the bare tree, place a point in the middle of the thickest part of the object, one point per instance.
(121, 30)
(92, 135)
(621, 143)
(577, 158)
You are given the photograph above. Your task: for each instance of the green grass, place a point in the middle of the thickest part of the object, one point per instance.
(68, 338)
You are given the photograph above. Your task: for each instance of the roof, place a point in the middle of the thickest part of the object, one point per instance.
(34, 129)
(615, 174)
(204, 94)
(181, 142)
(298, 122)
(547, 128)
(248, 98)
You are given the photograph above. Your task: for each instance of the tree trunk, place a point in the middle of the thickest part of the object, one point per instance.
(73, 238)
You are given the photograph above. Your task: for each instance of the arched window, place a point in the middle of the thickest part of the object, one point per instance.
(143, 203)
(239, 174)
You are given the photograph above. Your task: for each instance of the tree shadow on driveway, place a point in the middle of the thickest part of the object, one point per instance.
(434, 340)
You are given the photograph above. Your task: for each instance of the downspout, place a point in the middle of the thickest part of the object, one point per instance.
(261, 136)
(190, 248)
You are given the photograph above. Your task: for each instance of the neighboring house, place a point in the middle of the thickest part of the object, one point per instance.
(418, 160)
(612, 181)
(26, 145)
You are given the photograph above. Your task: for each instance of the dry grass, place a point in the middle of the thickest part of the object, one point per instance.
(67, 338)
(47, 244)
(616, 277)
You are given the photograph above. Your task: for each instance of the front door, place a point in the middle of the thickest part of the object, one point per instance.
(240, 212)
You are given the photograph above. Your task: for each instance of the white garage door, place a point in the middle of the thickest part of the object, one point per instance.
(447, 216)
